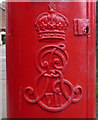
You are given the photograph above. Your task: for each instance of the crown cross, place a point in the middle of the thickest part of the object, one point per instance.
(52, 7)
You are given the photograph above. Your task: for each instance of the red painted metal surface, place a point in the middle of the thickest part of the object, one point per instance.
(51, 60)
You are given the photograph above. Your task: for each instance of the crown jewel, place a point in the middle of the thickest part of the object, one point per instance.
(51, 24)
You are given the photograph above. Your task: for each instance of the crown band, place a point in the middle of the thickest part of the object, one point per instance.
(51, 35)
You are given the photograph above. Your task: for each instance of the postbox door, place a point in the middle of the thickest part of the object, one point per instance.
(50, 60)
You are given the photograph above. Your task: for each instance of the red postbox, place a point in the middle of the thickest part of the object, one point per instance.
(51, 60)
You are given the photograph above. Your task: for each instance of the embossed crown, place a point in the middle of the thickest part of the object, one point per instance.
(51, 24)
